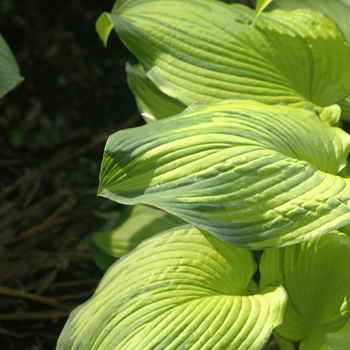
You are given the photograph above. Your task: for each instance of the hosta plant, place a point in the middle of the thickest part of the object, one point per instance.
(238, 183)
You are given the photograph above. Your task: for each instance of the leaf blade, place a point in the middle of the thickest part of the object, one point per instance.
(152, 103)
(104, 26)
(197, 58)
(135, 224)
(261, 5)
(194, 166)
(181, 289)
(314, 276)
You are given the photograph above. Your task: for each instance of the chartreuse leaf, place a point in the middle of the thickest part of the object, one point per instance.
(316, 276)
(338, 340)
(339, 12)
(9, 71)
(183, 289)
(254, 175)
(135, 224)
(152, 103)
(207, 51)
(104, 26)
(261, 5)
(331, 115)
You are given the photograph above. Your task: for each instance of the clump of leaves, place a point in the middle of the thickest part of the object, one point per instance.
(243, 151)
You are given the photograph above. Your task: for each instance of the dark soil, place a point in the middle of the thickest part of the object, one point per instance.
(53, 130)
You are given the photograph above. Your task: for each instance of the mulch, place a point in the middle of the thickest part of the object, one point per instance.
(53, 130)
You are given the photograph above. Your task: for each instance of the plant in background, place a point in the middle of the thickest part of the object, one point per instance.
(9, 70)
(243, 151)
(9, 79)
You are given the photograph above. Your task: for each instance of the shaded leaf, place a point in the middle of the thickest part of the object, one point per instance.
(152, 103)
(338, 340)
(135, 224)
(282, 343)
(261, 5)
(9, 71)
(345, 107)
(183, 289)
(316, 276)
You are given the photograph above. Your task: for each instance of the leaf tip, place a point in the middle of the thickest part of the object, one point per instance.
(260, 7)
(104, 26)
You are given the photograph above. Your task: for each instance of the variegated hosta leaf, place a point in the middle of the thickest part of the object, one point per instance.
(9, 71)
(252, 174)
(207, 51)
(316, 276)
(183, 289)
(151, 102)
(135, 224)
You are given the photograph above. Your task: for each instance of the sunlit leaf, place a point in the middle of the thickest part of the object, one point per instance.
(261, 5)
(252, 174)
(153, 104)
(337, 10)
(9, 71)
(207, 51)
(183, 289)
(331, 115)
(316, 276)
(135, 224)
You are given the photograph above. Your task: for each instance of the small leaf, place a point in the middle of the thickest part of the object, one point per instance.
(261, 5)
(254, 175)
(9, 70)
(183, 289)
(331, 115)
(152, 103)
(135, 224)
(104, 26)
(316, 276)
